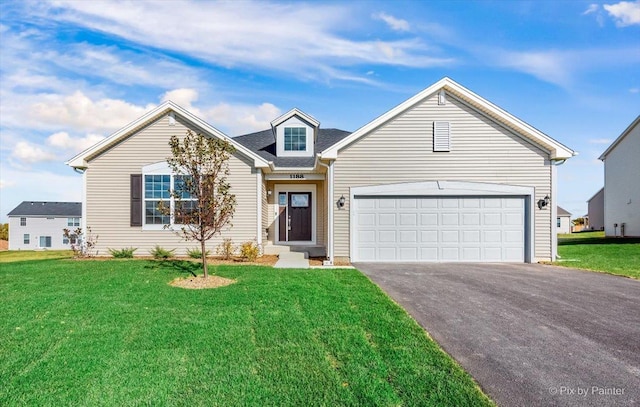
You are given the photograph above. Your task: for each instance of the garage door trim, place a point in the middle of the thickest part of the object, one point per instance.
(445, 189)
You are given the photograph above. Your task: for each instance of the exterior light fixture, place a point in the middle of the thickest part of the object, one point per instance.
(544, 202)
(341, 202)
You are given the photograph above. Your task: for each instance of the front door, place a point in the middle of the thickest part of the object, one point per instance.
(295, 223)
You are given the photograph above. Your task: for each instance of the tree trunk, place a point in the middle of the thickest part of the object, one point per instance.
(204, 258)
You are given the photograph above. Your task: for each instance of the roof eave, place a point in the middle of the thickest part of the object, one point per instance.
(81, 160)
(619, 139)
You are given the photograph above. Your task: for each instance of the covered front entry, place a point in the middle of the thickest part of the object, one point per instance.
(296, 213)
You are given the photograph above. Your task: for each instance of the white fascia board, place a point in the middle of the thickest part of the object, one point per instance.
(295, 112)
(444, 188)
(620, 137)
(557, 150)
(80, 160)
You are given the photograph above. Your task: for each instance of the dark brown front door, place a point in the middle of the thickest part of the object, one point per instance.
(300, 216)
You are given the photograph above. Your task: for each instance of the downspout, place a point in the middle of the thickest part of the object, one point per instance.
(259, 208)
(329, 168)
(554, 207)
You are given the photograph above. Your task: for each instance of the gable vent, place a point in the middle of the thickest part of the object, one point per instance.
(441, 136)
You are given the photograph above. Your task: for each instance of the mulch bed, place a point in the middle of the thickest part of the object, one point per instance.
(199, 283)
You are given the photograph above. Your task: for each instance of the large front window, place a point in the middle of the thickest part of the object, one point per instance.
(295, 139)
(45, 241)
(156, 190)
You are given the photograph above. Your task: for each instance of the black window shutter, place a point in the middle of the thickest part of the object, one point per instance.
(136, 199)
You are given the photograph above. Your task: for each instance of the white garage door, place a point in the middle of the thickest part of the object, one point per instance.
(439, 229)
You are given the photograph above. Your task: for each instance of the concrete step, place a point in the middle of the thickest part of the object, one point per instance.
(293, 260)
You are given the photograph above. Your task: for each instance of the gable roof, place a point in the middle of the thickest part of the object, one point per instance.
(80, 160)
(295, 112)
(619, 139)
(43, 208)
(562, 212)
(596, 194)
(556, 150)
(263, 143)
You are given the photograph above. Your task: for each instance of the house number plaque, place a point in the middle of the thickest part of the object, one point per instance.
(296, 176)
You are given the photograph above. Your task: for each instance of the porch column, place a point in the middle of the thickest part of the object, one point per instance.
(330, 209)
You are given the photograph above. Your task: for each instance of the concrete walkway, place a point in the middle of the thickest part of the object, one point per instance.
(292, 260)
(530, 335)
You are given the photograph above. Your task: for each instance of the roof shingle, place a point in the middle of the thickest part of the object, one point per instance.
(42, 208)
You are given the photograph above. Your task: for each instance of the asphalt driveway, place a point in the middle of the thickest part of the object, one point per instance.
(530, 335)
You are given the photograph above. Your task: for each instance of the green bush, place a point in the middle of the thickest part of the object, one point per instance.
(159, 253)
(126, 253)
(226, 249)
(249, 251)
(196, 253)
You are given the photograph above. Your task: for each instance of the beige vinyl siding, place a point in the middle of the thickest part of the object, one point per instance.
(272, 206)
(481, 151)
(108, 189)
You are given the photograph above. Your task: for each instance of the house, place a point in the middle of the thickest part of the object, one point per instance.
(595, 211)
(622, 183)
(563, 221)
(444, 176)
(40, 225)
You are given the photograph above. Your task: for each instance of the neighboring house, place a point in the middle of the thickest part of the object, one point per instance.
(40, 225)
(595, 216)
(622, 183)
(444, 176)
(563, 221)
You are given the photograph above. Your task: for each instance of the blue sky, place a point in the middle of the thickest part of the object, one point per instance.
(73, 72)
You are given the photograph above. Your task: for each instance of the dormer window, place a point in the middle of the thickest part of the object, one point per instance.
(295, 139)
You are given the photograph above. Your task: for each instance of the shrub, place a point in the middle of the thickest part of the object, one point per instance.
(226, 249)
(126, 253)
(249, 251)
(196, 253)
(159, 253)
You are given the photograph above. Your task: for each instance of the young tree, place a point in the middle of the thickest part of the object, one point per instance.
(203, 202)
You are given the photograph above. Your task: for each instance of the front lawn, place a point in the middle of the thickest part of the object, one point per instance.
(115, 333)
(23, 255)
(593, 251)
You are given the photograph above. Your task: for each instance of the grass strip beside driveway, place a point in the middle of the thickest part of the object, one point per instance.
(592, 251)
(114, 333)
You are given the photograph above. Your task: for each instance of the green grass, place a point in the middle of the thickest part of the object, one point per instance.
(23, 255)
(599, 253)
(114, 333)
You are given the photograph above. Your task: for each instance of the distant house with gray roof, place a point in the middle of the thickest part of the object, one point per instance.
(563, 220)
(39, 225)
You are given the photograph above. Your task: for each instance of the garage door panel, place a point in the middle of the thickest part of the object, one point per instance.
(386, 219)
(408, 219)
(429, 219)
(408, 236)
(440, 229)
(449, 219)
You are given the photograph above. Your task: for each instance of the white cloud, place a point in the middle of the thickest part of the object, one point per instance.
(634, 90)
(625, 13)
(63, 140)
(600, 141)
(591, 9)
(239, 34)
(549, 66)
(81, 113)
(394, 23)
(30, 153)
(240, 119)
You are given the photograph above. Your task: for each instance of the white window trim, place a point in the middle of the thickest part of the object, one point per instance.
(294, 122)
(312, 188)
(161, 168)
